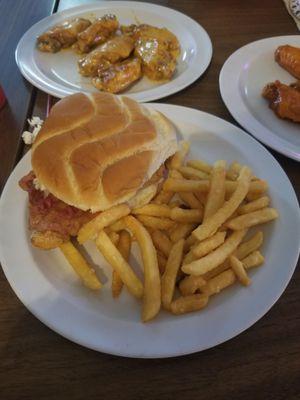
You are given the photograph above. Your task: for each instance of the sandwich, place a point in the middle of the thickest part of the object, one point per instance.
(93, 152)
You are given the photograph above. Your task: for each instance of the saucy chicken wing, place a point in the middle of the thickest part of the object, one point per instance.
(119, 76)
(62, 36)
(284, 100)
(157, 48)
(288, 57)
(114, 50)
(97, 33)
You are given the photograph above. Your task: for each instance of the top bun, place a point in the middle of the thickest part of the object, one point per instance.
(95, 151)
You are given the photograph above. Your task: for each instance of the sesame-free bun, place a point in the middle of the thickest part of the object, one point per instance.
(95, 151)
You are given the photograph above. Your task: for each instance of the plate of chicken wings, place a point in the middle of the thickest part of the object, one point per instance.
(260, 85)
(139, 49)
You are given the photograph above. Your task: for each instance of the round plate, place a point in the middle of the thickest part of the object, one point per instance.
(57, 73)
(242, 79)
(47, 286)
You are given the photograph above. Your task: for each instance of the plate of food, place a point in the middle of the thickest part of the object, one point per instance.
(259, 86)
(144, 50)
(132, 244)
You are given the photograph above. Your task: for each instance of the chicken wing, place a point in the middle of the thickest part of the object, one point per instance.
(288, 57)
(157, 48)
(119, 76)
(284, 100)
(62, 36)
(97, 33)
(116, 49)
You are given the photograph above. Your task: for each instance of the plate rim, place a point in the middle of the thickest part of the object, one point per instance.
(174, 352)
(155, 93)
(239, 109)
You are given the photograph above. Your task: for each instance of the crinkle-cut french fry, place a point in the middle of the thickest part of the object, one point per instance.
(80, 266)
(161, 242)
(186, 216)
(200, 165)
(186, 304)
(163, 197)
(211, 225)
(116, 260)
(168, 279)
(193, 173)
(251, 219)
(254, 259)
(102, 220)
(191, 200)
(254, 205)
(124, 246)
(219, 282)
(154, 210)
(239, 270)
(216, 257)
(216, 194)
(156, 222)
(209, 244)
(190, 284)
(178, 158)
(181, 231)
(162, 262)
(152, 286)
(252, 244)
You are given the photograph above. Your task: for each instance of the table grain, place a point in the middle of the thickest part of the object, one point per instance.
(261, 363)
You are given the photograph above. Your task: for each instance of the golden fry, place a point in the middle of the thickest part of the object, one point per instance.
(154, 210)
(216, 257)
(190, 241)
(219, 282)
(117, 226)
(114, 237)
(200, 165)
(80, 266)
(245, 248)
(163, 197)
(216, 194)
(191, 200)
(162, 242)
(211, 225)
(162, 262)
(124, 246)
(239, 270)
(156, 222)
(254, 205)
(187, 304)
(193, 173)
(152, 288)
(46, 240)
(186, 216)
(254, 259)
(119, 264)
(190, 284)
(168, 280)
(209, 244)
(105, 218)
(178, 158)
(253, 218)
(181, 232)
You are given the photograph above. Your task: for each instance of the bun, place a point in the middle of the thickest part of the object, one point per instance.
(95, 151)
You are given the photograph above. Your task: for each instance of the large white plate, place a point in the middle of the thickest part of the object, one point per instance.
(57, 73)
(49, 289)
(242, 79)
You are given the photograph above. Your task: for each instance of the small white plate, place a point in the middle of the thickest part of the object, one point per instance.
(57, 73)
(47, 286)
(242, 79)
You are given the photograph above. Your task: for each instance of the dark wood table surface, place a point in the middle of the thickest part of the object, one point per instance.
(36, 363)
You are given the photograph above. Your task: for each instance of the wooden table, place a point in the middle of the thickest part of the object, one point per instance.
(36, 363)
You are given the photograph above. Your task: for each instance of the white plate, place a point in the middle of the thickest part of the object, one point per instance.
(242, 79)
(49, 289)
(57, 73)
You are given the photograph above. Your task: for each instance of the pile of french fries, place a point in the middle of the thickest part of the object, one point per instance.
(192, 236)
